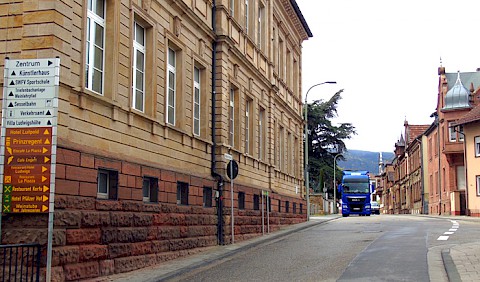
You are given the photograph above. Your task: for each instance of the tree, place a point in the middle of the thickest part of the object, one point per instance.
(325, 140)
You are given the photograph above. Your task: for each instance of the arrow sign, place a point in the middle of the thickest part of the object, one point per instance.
(10, 105)
(44, 208)
(12, 83)
(10, 94)
(13, 73)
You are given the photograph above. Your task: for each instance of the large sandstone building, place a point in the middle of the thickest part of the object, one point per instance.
(153, 94)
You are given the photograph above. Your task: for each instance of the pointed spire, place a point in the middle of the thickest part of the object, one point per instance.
(459, 81)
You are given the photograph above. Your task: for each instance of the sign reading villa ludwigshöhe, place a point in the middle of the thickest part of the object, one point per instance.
(28, 144)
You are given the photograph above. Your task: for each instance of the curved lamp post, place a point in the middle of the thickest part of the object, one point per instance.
(335, 182)
(307, 180)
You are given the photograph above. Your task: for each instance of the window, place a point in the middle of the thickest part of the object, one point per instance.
(182, 193)
(269, 204)
(461, 136)
(294, 208)
(461, 181)
(207, 197)
(295, 79)
(279, 206)
(248, 128)
(430, 148)
(261, 134)
(247, 14)
(289, 153)
(478, 185)
(256, 202)
(275, 136)
(301, 208)
(139, 68)
(452, 135)
(231, 117)
(232, 8)
(288, 66)
(241, 200)
(280, 59)
(196, 101)
(287, 206)
(295, 157)
(281, 149)
(95, 52)
(171, 82)
(261, 27)
(107, 184)
(477, 146)
(150, 189)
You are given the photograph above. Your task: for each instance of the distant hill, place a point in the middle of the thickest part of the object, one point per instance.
(364, 160)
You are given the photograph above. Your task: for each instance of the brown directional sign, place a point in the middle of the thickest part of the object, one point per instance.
(27, 170)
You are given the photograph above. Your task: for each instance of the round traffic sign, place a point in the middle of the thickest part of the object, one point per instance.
(232, 169)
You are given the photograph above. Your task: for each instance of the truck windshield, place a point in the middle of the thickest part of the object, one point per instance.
(356, 187)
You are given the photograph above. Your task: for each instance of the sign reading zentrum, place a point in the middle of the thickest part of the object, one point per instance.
(29, 121)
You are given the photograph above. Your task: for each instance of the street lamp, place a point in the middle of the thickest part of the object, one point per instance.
(307, 180)
(335, 182)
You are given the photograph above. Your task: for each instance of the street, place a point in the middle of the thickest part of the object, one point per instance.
(375, 248)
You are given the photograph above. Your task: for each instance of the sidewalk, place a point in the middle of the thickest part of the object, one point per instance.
(445, 263)
(461, 262)
(180, 266)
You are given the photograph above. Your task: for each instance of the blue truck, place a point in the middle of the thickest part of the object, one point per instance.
(356, 191)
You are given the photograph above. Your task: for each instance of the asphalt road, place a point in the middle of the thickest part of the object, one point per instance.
(375, 248)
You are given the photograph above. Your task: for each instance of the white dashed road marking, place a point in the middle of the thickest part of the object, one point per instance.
(455, 226)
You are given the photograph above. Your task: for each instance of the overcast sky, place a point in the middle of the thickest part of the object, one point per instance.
(385, 55)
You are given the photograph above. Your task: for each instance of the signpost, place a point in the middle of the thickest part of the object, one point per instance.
(232, 172)
(28, 139)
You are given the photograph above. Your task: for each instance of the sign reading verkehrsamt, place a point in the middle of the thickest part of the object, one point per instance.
(29, 120)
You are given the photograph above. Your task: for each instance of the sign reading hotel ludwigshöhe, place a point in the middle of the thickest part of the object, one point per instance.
(29, 120)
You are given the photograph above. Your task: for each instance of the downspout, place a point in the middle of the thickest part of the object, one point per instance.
(218, 177)
(439, 167)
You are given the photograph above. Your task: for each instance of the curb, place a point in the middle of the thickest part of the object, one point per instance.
(450, 268)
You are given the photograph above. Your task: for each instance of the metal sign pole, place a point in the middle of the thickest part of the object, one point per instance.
(231, 196)
(263, 214)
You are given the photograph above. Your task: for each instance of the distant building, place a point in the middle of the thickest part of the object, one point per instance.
(471, 128)
(446, 143)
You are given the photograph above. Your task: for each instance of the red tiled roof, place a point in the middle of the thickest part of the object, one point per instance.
(416, 130)
(473, 115)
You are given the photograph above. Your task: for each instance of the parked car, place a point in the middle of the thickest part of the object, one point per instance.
(375, 207)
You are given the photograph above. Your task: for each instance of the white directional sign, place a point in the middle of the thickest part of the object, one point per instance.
(29, 139)
(30, 92)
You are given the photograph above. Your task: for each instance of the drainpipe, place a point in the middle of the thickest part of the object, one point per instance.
(218, 177)
(439, 167)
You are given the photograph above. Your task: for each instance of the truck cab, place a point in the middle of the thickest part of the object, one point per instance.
(355, 189)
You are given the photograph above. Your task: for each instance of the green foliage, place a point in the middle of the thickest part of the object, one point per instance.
(325, 140)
